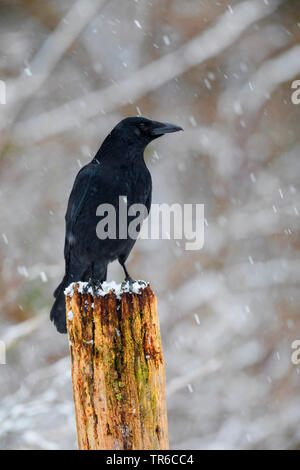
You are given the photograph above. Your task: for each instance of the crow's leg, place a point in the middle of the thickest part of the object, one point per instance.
(127, 275)
(128, 278)
(93, 282)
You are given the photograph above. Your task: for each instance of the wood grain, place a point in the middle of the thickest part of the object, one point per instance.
(117, 371)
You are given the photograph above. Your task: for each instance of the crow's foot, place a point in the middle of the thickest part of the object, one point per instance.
(128, 281)
(94, 284)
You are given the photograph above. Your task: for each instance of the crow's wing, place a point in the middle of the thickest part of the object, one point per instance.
(77, 198)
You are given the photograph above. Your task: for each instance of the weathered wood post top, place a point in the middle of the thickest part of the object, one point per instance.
(117, 366)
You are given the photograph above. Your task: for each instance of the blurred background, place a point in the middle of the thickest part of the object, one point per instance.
(229, 313)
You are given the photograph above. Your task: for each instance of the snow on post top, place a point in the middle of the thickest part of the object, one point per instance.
(106, 287)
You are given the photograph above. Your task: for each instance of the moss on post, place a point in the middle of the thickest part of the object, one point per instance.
(117, 369)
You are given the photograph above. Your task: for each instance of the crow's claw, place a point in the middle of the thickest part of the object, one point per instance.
(130, 281)
(94, 284)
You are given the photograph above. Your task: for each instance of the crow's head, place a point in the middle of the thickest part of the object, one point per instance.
(141, 131)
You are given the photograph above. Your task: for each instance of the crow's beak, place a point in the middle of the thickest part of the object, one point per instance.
(160, 128)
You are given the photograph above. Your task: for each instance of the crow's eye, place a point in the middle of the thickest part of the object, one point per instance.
(143, 127)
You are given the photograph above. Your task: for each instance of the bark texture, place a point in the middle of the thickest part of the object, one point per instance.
(117, 370)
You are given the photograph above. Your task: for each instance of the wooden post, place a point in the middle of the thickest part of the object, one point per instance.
(117, 368)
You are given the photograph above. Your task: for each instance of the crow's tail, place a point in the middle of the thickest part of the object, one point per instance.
(58, 311)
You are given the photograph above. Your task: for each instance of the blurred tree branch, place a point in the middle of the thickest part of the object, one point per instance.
(54, 48)
(213, 41)
(178, 383)
(271, 74)
(20, 90)
(17, 332)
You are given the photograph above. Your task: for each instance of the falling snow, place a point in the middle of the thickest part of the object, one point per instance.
(138, 24)
(166, 40)
(228, 312)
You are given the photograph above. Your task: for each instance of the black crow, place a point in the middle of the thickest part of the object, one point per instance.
(118, 169)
